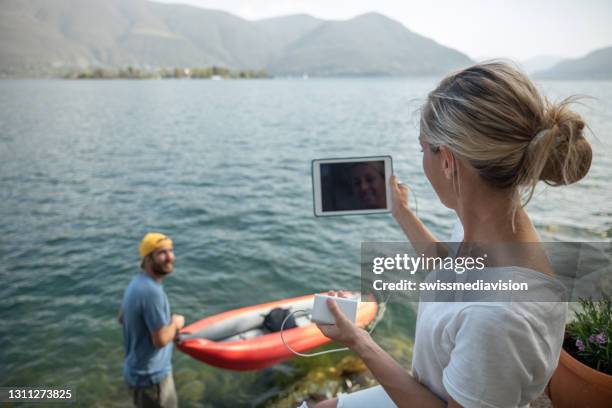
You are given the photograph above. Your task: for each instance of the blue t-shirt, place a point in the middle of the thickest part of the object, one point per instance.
(145, 310)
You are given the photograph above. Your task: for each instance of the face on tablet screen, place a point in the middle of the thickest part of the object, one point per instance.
(352, 186)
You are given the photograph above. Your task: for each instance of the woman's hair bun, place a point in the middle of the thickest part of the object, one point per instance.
(569, 154)
(494, 117)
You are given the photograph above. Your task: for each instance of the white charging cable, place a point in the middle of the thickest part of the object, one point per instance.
(379, 316)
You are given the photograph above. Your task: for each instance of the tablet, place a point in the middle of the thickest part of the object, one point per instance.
(358, 185)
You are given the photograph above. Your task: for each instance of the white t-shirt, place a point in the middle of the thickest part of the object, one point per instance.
(481, 354)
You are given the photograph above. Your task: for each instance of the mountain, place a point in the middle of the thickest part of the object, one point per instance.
(230, 40)
(46, 37)
(288, 29)
(370, 44)
(76, 33)
(540, 63)
(595, 65)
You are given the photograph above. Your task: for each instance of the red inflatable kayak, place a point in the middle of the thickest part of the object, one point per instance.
(237, 339)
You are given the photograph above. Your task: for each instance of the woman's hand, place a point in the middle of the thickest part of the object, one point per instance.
(344, 331)
(400, 198)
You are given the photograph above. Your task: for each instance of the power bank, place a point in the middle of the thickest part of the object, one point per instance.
(322, 315)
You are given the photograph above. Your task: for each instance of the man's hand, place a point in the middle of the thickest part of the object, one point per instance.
(178, 321)
(344, 331)
(166, 334)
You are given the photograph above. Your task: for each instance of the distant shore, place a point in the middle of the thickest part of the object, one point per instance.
(214, 73)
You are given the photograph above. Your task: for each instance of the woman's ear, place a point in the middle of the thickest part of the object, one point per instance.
(448, 162)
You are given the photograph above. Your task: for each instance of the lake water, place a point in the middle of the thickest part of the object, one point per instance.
(223, 167)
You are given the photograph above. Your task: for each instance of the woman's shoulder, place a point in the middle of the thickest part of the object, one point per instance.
(513, 311)
(522, 321)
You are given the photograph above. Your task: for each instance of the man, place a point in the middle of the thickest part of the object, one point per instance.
(148, 327)
(368, 184)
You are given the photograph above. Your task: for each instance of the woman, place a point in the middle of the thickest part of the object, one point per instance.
(487, 137)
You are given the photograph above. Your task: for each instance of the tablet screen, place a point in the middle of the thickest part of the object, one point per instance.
(353, 186)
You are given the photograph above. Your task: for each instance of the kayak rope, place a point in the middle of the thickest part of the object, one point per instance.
(379, 317)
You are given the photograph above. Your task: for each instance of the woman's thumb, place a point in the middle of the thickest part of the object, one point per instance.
(336, 312)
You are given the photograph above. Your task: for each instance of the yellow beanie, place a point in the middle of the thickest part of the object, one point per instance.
(153, 241)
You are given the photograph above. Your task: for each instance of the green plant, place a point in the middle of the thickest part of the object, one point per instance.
(590, 334)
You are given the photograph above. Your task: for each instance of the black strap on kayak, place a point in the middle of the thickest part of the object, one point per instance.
(273, 321)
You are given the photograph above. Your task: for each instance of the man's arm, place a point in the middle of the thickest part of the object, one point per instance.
(166, 334)
(120, 316)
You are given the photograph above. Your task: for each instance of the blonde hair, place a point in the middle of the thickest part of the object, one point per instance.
(492, 116)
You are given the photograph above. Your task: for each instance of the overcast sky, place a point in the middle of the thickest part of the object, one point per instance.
(517, 29)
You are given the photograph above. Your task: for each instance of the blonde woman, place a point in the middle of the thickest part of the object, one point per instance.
(488, 137)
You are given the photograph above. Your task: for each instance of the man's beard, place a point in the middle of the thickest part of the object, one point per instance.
(158, 269)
